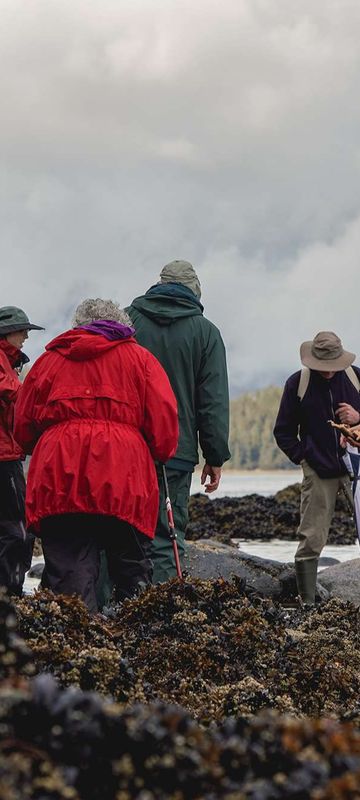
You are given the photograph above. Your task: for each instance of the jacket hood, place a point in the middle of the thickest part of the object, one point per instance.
(82, 345)
(164, 307)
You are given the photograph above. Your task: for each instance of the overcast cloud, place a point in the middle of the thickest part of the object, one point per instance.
(140, 131)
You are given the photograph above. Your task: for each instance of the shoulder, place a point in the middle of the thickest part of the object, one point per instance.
(41, 366)
(140, 354)
(293, 380)
(210, 331)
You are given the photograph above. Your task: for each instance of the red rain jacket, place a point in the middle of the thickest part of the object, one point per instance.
(95, 414)
(9, 388)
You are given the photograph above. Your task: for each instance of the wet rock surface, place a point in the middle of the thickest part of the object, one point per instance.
(343, 580)
(257, 517)
(208, 558)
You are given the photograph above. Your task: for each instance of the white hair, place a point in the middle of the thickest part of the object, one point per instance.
(92, 309)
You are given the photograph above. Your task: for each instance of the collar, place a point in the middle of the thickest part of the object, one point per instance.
(14, 355)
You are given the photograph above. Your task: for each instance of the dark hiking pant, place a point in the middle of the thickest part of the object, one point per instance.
(72, 544)
(162, 552)
(16, 544)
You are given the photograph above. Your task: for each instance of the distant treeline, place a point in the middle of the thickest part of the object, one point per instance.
(252, 419)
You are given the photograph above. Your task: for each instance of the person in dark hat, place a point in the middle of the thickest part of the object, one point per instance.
(169, 322)
(15, 542)
(327, 388)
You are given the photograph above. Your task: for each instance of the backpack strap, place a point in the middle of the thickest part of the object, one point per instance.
(305, 377)
(304, 383)
(353, 378)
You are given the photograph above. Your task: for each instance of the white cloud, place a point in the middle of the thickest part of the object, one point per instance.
(225, 133)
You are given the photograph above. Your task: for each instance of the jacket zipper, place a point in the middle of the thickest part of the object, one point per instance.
(334, 429)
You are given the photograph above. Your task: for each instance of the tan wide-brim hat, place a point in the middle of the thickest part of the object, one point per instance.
(325, 353)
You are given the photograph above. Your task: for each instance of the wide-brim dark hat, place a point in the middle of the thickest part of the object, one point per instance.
(326, 353)
(14, 319)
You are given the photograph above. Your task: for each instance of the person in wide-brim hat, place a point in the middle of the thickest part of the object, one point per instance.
(326, 353)
(15, 542)
(326, 389)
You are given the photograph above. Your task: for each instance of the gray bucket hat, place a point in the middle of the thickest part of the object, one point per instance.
(181, 272)
(326, 353)
(14, 319)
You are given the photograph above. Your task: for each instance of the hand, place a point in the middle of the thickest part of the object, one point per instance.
(214, 473)
(348, 440)
(347, 414)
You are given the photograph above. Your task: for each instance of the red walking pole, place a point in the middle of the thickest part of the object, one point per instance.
(172, 532)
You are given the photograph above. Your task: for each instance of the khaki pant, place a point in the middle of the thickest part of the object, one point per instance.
(318, 497)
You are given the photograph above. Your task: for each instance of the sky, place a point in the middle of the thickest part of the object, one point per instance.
(137, 132)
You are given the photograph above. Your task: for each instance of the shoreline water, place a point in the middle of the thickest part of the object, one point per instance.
(238, 483)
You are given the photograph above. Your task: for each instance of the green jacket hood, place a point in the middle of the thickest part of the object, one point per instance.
(164, 310)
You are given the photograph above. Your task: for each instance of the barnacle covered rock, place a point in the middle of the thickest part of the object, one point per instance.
(236, 655)
(70, 745)
(205, 645)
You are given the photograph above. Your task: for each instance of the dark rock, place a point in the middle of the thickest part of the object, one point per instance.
(327, 561)
(36, 570)
(343, 581)
(211, 559)
(261, 518)
(291, 494)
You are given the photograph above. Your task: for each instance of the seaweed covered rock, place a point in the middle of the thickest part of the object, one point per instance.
(75, 647)
(69, 745)
(258, 517)
(205, 645)
(15, 656)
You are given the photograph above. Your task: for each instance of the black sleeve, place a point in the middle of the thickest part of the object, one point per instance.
(212, 402)
(286, 430)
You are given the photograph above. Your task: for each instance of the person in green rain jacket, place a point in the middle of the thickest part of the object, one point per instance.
(169, 322)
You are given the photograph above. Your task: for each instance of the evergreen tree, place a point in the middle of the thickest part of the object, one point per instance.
(252, 419)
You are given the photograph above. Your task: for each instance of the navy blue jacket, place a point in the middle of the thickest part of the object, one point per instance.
(302, 430)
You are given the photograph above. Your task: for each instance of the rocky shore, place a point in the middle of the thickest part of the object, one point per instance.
(218, 686)
(261, 518)
(219, 694)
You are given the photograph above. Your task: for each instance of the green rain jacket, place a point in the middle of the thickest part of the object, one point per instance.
(169, 322)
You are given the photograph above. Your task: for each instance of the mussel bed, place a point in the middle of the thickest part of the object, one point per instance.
(198, 690)
(255, 517)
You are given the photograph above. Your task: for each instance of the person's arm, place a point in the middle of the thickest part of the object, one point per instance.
(286, 430)
(350, 414)
(27, 429)
(160, 426)
(212, 408)
(9, 386)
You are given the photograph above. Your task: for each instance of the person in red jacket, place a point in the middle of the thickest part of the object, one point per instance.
(96, 411)
(15, 543)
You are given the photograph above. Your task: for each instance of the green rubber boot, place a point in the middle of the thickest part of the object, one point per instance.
(306, 572)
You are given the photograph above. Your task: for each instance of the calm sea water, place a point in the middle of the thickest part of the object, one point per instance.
(236, 483)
